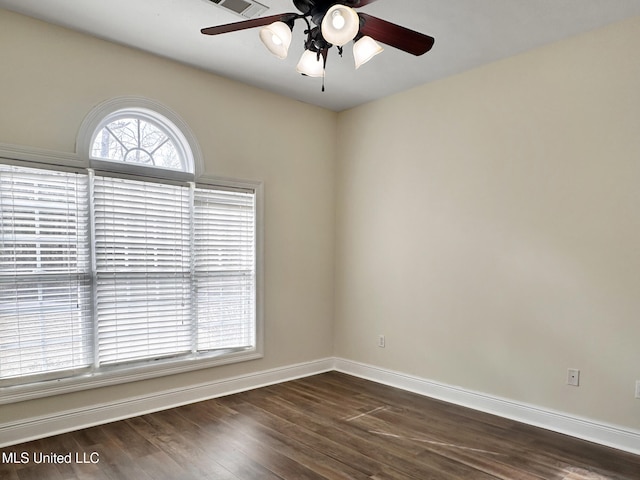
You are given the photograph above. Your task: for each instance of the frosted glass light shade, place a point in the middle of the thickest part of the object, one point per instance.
(365, 49)
(277, 38)
(310, 64)
(340, 25)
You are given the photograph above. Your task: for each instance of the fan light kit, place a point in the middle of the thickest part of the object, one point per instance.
(330, 23)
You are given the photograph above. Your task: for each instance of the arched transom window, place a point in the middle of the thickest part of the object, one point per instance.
(141, 137)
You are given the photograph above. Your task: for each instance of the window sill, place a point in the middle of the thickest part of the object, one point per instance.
(31, 391)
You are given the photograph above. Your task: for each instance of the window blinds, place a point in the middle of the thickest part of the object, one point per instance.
(142, 258)
(44, 272)
(99, 271)
(224, 230)
(175, 269)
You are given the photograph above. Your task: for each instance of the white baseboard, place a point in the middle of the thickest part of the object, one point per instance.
(13, 433)
(603, 434)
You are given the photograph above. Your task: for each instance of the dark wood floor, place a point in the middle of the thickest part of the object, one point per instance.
(330, 426)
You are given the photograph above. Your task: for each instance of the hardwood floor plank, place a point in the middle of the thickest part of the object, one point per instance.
(330, 426)
(8, 472)
(322, 418)
(356, 464)
(284, 437)
(184, 446)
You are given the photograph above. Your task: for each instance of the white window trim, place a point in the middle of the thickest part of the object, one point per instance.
(33, 157)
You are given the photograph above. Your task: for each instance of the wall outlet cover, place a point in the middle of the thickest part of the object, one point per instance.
(573, 377)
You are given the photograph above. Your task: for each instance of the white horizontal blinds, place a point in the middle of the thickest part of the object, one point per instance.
(45, 300)
(100, 271)
(224, 243)
(142, 261)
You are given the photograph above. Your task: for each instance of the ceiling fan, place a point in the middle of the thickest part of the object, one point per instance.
(330, 23)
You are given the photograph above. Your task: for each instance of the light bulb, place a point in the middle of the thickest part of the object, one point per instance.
(338, 20)
(340, 25)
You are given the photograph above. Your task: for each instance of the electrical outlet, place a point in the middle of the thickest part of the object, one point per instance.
(381, 341)
(573, 377)
(637, 388)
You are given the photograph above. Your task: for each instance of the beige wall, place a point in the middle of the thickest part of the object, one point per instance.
(489, 225)
(51, 78)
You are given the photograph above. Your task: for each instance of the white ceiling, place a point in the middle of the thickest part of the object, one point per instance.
(467, 33)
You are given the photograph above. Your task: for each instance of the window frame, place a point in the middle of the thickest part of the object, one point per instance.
(55, 161)
(149, 109)
(163, 124)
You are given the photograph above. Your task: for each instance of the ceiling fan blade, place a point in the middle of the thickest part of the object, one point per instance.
(255, 22)
(362, 3)
(396, 36)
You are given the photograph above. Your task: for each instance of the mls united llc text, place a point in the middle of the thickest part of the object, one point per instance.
(40, 457)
